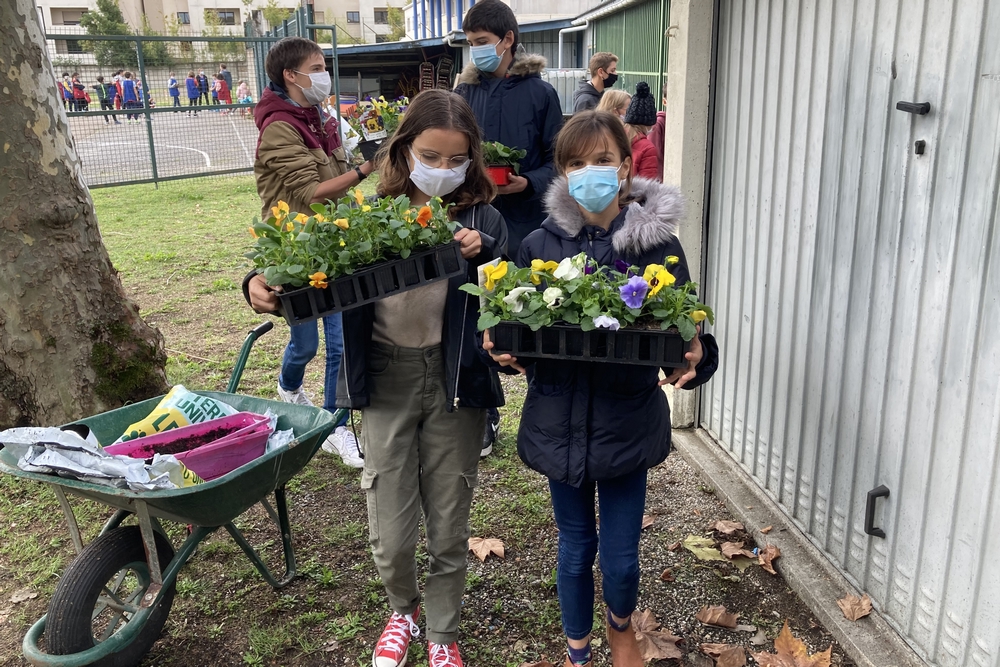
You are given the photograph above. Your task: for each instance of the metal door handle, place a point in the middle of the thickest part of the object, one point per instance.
(881, 491)
(919, 108)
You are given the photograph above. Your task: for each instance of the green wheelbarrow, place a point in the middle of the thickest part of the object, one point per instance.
(112, 601)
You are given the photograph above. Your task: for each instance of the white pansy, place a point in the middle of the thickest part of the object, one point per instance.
(553, 297)
(513, 298)
(607, 322)
(567, 270)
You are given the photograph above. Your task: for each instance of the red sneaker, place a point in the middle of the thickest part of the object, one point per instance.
(444, 655)
(390, 651)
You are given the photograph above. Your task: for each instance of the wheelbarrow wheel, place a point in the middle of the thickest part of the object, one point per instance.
(100, 593)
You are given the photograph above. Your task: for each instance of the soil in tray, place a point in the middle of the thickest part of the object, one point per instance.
(184, 444)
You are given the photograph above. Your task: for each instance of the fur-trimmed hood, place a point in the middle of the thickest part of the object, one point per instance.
(651, 219)
(525, 64)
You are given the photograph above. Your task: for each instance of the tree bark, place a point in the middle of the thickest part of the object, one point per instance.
(71, 342)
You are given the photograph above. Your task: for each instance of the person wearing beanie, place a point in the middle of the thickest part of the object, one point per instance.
(639, 120)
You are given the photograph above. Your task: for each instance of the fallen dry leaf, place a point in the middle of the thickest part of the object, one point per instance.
(855, 607)
(733, 549)
(541, 663)
(698, 660)
(759, 639)
(697, 512)
(726, 527)
(725, 655)
(647, 521)
(483, 547)
(667, 576)
(703, 548)
(675, 546)
(766, 529)
(792, 653)
(654, 644)
(743, 562)
(23, 595)
(716, 616)
(766, 555)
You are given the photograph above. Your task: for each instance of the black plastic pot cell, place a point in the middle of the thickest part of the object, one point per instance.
(644, 347)
(305, 304)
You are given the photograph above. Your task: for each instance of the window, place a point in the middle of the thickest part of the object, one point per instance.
(67, 16)
(381, 38)
(382, 16)
(226, 16)
(187, 48)
(354, 17)
(184, 18)
(69, 46)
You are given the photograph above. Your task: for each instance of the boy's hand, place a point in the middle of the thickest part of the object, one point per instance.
(681, 376)
(517, 184)
(471, 242)
(263, 298)
(502, 359)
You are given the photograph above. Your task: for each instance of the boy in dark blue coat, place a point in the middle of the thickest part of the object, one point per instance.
(515, 107)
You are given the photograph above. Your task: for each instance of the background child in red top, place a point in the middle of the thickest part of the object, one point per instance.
(225, 96)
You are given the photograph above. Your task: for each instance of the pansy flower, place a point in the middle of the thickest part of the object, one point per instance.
(553, 297)
(318, 280)
(633, 292)
(493, 274)
(658, 277)
(538, 267)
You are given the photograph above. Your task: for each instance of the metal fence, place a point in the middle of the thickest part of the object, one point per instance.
(143, 133)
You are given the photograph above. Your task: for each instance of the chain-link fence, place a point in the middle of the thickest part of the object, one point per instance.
(151, 108)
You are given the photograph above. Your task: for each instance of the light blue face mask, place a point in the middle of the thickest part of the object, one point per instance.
(593, 187)
(485, 57)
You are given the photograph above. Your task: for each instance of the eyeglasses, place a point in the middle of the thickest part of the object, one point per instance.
(432, 159)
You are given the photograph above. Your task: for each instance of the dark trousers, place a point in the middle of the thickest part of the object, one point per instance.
(204, 94)
(621, 501)
(107, 105)
(177, 101)
(192, 102)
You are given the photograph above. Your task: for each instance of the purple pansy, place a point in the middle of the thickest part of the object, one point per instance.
(634, 292)
(588, 269)
(621, 266)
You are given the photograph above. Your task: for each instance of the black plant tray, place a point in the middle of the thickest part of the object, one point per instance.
(644, 347)
(378, 281)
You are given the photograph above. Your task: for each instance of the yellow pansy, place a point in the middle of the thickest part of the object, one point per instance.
(289, 226)
(493, 274)
(301, 218)
(359, 197)
(658, 277)
(280, 211)
(366, 208)
(342, 223)
(318, 280)
(319, 217)
(538, 266)
(673, 259)
(342, 244)
(252, 232)
(698, 316)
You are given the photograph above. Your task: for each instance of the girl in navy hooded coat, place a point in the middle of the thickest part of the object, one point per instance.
(596, 428)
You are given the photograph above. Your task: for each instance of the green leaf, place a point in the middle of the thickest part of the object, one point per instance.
(487, 320)
(686, 328)
(474, 290)
(403, 232)
(404, 253)
(295, 268)
(364, 246)
(303, 237)
(587, 324)
(318, 208)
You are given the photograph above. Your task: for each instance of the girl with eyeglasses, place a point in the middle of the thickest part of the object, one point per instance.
(412, 365)
(595, 429)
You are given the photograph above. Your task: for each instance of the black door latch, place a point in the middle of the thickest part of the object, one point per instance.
(919, 108)
(881, 491)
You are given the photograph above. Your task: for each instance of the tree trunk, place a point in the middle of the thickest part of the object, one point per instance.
(71, 343)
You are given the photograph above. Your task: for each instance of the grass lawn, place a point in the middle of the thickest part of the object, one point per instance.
(179, 250)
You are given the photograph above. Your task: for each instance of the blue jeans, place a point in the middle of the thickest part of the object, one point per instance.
(622, 501)
(302, 346)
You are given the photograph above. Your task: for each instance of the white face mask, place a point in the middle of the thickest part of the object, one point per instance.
(436, 182)
(320, 89)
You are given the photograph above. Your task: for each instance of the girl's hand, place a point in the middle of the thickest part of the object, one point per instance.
(502, 359)
(517, 184)
(681, 376)
(263, 299)
(471, 242)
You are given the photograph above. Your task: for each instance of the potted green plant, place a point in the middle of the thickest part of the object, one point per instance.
(502, 161)
(347, 253)
(576, 309)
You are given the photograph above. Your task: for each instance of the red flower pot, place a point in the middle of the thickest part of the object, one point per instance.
(500, 175)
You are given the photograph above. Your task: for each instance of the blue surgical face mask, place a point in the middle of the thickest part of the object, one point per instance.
(594, 188)
(485, 57)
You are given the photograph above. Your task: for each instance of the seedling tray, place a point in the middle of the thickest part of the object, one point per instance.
(375, 282)
(643, 347)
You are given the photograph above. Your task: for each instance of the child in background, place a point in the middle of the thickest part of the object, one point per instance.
(595, 429)
(192, 91)
(243, 96)
(615, 101)
(639, 120)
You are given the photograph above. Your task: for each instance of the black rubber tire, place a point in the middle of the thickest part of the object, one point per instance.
(68, 627)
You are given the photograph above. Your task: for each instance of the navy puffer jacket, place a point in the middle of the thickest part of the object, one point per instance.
(519, 111)
(592, 421)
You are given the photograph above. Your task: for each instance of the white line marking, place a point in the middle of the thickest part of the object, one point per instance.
(208, 163)
(236, 131)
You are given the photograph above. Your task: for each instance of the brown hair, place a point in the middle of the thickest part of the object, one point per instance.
(602, 61)
(584, 132)
(288, 53)
(435, 109)
(614, 99)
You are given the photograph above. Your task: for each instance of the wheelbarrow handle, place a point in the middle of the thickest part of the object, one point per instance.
(241, 360)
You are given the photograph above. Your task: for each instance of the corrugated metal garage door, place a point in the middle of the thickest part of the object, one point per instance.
(856, 278)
